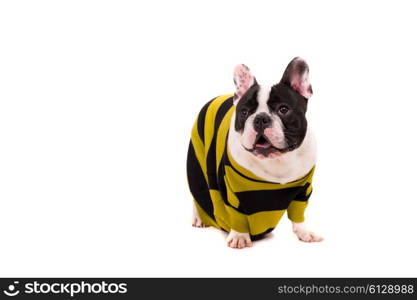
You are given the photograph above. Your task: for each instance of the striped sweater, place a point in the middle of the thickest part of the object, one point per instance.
(228, 196)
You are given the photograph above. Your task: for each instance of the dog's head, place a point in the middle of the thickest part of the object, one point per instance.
(271, 121)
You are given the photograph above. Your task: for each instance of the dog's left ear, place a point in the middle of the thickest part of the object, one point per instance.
(296, 77)
(243, 79)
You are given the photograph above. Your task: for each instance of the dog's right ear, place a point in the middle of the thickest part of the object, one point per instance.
(243, 79)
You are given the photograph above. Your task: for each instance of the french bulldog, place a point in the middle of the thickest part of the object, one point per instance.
(252, 156)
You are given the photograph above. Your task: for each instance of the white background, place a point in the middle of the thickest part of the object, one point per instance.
(97, 100)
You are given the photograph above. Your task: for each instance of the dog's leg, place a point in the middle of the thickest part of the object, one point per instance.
(303, 234)
(196, 220)
(238, 240)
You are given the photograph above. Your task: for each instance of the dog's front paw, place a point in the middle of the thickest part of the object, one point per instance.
(304, 235)
(238, 240)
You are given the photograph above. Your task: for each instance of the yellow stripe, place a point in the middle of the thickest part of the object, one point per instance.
(210, 119)
(264, 220)
(296, 210)
(222, 136)
(199, 149)
(240, 184)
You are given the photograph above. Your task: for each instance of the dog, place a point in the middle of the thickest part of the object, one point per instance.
(252, 157)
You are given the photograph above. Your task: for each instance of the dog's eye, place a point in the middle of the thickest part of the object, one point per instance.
(244, 112)
(283, 110)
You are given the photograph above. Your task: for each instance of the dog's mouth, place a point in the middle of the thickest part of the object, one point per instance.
(263, 147)
(262, 142)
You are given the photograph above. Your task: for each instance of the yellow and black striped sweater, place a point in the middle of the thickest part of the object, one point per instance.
(229, 196)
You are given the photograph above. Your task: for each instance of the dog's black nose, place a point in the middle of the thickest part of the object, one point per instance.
(261, 122)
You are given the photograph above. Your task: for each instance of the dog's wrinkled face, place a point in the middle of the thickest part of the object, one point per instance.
(271, 120)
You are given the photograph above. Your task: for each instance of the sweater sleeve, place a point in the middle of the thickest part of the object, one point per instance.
(238, 219)
(296, 210)
(297, 207)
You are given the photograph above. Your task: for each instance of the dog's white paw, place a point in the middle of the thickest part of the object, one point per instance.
(238, 240)
(195, 220)
(304, 235)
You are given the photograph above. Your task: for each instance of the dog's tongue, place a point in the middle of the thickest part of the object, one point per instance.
(262, 143)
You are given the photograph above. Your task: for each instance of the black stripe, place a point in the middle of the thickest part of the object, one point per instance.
(211, 154)
(303, 197)
(197, 183)
(201, 120)
(266, 200)
(257, 237)
(221, 182)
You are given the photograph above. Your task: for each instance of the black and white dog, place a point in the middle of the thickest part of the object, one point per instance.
(269, 135)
